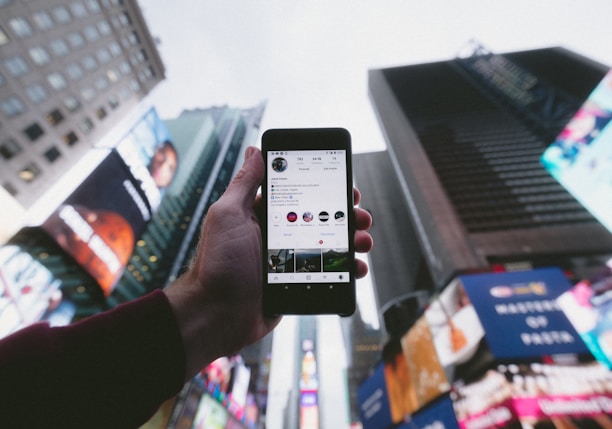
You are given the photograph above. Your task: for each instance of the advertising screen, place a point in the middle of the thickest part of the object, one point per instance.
(148, 151)
(581, 156)
(28, 290)
(374, 407)
(520, 314)
(100, 221)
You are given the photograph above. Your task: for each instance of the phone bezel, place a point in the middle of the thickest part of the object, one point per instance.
(309, 298)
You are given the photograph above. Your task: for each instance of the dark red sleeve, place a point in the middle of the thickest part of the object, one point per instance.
(112, 370)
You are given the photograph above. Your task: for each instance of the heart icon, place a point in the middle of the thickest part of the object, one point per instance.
(320, 241)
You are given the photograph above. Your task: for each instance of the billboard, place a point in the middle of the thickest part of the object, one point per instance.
(28, 290)
(99, 223)
(580, 158)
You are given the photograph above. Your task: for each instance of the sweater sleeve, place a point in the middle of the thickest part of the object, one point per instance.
(112, 370)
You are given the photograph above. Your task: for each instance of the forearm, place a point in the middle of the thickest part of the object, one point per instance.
(111, 370)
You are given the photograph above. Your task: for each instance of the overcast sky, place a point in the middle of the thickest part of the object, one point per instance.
(309, 58)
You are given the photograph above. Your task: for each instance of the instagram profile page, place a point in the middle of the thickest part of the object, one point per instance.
(308, 240)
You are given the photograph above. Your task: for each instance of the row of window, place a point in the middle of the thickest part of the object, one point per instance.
(60, 15)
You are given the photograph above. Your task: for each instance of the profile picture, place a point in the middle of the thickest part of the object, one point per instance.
(339, 216)
(279, 164)
(292, 216)
(307, 216)
(323, 216)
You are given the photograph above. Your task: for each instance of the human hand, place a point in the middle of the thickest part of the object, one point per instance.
(218, 301)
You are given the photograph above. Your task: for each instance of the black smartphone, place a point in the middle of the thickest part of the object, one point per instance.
(308, 246)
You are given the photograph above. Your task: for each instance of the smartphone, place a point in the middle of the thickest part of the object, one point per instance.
(308, 246)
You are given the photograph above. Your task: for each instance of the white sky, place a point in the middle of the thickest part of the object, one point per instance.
(309, 58)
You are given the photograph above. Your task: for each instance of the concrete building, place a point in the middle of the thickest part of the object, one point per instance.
(69, 73)
(464, 139)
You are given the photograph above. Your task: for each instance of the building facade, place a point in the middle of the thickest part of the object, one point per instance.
(69, 73)
(465, 138)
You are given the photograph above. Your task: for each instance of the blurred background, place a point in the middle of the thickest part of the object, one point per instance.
(487, 175)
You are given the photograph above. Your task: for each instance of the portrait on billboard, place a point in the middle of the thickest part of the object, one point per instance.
(151, 156)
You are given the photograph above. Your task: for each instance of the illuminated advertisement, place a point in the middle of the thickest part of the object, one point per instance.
(537, 395)
(28, 290)
(581, 156)
(151, 156)
(520, 313)
(374, 407)
(309, 388)
(588, 306)
(99, 222)
(210, 415)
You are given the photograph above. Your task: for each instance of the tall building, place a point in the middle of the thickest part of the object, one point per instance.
(69, 73)
(209, 144)
(464, 139)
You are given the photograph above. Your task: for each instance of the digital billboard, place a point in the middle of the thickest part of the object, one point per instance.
(99, 223)
(28, 290)
(580, 158)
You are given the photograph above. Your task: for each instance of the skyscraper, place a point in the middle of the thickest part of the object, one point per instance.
(465, 137)
(69, 73)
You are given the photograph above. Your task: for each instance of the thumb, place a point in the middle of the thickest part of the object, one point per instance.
(243, 187)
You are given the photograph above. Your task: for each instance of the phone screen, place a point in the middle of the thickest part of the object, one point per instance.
(307, 217)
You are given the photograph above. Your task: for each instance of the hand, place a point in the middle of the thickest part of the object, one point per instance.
(217, 302)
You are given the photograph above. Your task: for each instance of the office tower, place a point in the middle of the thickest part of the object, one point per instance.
(465, 137)
(69, 72)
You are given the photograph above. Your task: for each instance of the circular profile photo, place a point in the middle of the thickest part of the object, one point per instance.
(279, 164)
(292, 216)
(339, 216)
(323, 216)
(307, 216)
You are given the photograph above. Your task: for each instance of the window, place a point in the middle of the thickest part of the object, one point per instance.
(104, 28)
(91, 33)
(125, 20)
(133, 38)
(86, 125)
(101, 113)
(16, 66)
(75, 39)
(125, 68)
(61, 14)
(112, 75)
(88, 93)
(33, 131)
(74, 71)
(114, 49)
(39, 55)
(72, 104)
(71, 138)
(113, 102)
(36, 92)
(9, 148)
(89, 62)
(55, 117)
(52, 154)
(101, 83)
(43, 20)
(21, 27)
(30, 172)
(57, 81)
(103, 55)
(134, 85)
(12, 106)
(93, 5)
(3, 37)
(78, 10)
(59, 47)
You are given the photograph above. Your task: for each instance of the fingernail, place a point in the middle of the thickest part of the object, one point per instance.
(249, 152)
